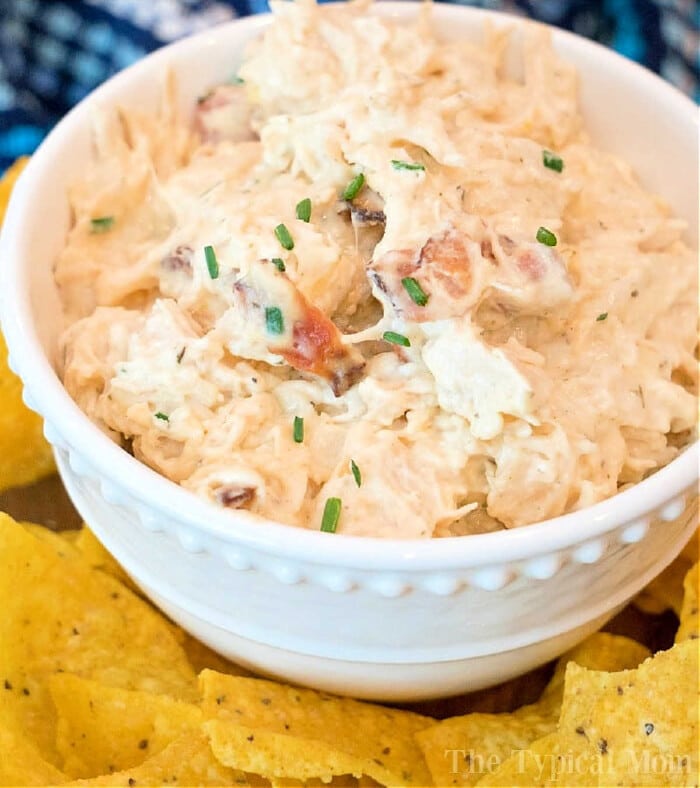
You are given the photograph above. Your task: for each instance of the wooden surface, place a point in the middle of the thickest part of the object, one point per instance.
(45, 502)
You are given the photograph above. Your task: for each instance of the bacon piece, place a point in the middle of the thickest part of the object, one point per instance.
(310, 341)
(456, 272)
(235, 497)
(529, 277)
(180, 259)
(445, 269)
(316, 347)
(224, 113)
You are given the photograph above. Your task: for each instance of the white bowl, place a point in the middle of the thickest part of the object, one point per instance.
(371, 618)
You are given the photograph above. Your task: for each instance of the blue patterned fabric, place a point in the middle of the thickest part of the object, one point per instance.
(54, 52)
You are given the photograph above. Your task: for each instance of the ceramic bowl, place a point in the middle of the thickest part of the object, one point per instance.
(395, 620)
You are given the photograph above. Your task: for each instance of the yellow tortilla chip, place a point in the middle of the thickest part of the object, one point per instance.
(60, 615)
(461, 750)
(98, 557)
(105, 729)
(666, 590)
(274, 755)
(599, 651)
(22, 764)
(648, 714)
(310, 734)
(59, 540)
(632, 727)
(7, 183)
(25, 457)
(187, 761)
(688, 629)
(202, 657)
(550, 760)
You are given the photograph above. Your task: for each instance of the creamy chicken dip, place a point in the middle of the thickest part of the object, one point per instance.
(375, 285)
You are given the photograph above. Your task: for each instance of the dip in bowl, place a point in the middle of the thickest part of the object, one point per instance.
(467, 346)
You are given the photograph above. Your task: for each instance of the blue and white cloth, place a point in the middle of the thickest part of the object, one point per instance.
(54, 52)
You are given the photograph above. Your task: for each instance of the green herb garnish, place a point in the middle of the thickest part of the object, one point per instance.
(413, 288)
(396, 339)
(407, 165)
(160, 415)
(546, 237)
(278, 262)
(353, 188)
(236, 80)
(356, 473)
(101, 224)
(552, 161)
(331, 515)
(304, 210)
(274, 320)
(298, 429)
(212, 262)
(602, 316)
(284, 237)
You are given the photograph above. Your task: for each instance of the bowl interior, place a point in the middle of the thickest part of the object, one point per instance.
(628, 111)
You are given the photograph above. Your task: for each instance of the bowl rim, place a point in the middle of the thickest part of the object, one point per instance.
(156, 493)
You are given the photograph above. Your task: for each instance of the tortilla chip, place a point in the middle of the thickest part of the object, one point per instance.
(275, 756)
(599, 651)
(202, 657)
(59, 615)
(187, 761)
(666, 590)
(303, 733)
(98, 557)
(650, 713)
(550, 760)
(7, 183)
(21, 763)
(25, 457)
(688, 629)
(632, 727)
(461, 750)
(105, 729)
(63, 544)
(84, 545)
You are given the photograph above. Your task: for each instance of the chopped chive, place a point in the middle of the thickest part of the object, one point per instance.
(180, 355)
(413, 288)
(160, 415)
(552, 161)
(353, 188)
(602, 316)
(298, 429)
(101, 224)
(304, 210)
(274, 320)
(212, 262)
(331, 515)
(284, 237)
(356, 473)
(236, 80)
(407, 165)
(546, 237)
(278, 262)
(396, 339)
